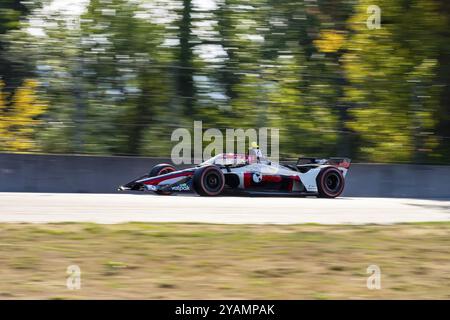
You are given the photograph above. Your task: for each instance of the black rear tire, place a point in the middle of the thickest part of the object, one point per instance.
(209, 181)
(330, 182)
(161, 169)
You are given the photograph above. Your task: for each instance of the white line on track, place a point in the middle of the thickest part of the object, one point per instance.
(117, 208)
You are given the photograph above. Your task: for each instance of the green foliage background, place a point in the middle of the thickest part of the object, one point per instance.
(120, 76)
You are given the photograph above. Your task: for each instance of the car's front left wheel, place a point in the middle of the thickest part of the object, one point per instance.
(161, 169)
(209, 181)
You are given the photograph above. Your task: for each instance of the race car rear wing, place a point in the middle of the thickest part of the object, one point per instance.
(336, 161)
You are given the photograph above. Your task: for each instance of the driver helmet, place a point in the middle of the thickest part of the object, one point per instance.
(254, 152)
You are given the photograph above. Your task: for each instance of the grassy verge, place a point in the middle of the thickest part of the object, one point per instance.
(151, 261)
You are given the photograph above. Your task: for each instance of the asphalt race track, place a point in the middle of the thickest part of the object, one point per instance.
(117, 208)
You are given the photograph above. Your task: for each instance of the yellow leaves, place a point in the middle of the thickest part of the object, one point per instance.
(18, 118)
(330, 41)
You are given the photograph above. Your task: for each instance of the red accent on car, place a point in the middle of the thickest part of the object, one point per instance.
(291, 182)
(271, 178)
(344, 164)
(165, 171)
(247, 179)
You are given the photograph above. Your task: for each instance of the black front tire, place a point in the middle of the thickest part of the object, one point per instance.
(209, 181)
(160, 169)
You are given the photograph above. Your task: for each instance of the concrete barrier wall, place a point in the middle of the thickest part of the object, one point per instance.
(67, 173)
(91, 174)
(398, 180)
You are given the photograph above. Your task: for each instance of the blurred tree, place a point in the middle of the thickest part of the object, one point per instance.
(297, 37)
(129, 85)
(11, 72)
(185, 66)
(392, 71)
(443, 79)
(18, 120)
(54, 56)
(119, 78)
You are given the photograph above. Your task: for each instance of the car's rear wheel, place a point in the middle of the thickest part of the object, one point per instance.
(161, 169)
(209, 181)
(330, 182)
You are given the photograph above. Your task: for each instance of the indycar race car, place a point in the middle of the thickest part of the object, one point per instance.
(250, 174)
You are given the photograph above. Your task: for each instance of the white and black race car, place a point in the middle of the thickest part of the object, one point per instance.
(248, 174)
